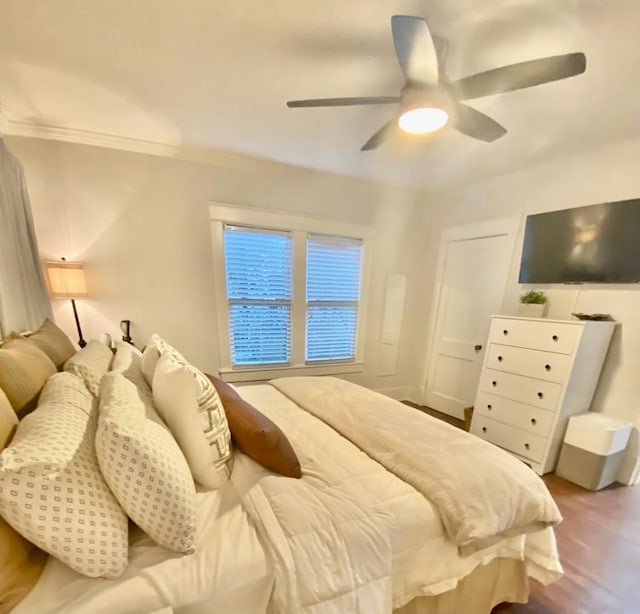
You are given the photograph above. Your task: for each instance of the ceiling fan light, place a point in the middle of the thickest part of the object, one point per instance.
(423, 119)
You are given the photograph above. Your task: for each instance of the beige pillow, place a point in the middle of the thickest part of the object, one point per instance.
(189, 404)
(51, 488)
(90, 364)
(53, 342)
(8, 420)
(23, 371)
(144, 467)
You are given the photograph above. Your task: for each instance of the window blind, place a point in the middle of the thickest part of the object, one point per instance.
(258, 267)
(333, 293)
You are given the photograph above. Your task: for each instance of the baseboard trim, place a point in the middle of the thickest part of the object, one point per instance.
(400, 393)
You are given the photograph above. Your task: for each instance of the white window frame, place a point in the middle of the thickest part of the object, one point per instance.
(223, 213)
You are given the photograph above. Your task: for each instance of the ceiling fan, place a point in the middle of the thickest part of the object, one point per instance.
(428, 100)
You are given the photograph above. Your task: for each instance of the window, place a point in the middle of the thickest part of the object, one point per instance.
(258, 275)
(292, 293)
(333, 292)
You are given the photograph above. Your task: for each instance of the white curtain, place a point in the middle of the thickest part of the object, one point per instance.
(24, 302)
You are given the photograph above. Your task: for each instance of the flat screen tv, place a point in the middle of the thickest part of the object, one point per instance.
(598, 244)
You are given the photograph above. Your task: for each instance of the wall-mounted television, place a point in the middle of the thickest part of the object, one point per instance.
(598, 244)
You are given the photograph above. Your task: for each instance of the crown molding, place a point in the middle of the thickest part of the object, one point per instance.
(191, 153)
(206, 155)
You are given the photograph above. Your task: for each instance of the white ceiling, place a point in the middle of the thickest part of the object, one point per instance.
(213, 73)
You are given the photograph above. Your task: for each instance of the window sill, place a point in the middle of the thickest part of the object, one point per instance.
(261, 374)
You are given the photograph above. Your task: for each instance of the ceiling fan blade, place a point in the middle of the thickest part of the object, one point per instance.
(519, 76)
(343, 102)
(379, 137)
(473, 123)
(415, 49)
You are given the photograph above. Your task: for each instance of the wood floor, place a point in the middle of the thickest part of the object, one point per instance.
(599, 545)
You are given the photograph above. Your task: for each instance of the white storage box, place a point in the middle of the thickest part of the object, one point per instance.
(592, 450)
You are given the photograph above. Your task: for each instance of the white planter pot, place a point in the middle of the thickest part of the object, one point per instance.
(532, 310)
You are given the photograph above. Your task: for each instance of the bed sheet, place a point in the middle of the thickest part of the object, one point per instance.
(228, 573)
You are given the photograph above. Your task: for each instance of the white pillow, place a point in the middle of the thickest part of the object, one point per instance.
(51, 488)
(90, 364)
(144, 467)
(189, 404)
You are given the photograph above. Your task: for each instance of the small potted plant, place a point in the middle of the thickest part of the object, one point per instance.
(533, 304)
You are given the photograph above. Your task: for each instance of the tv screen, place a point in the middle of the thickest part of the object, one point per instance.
(599, 244)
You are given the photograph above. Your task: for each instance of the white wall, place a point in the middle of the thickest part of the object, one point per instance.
(609, 174)
(140, 224)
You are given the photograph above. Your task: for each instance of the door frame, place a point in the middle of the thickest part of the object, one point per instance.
(509, 226)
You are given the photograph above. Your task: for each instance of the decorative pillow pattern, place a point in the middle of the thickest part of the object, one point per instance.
(90, 364)
(23, 371)
(53, 342)
(52, 491)
(128, 361)
(66, 390)
(189, 404)
(255, 434)
(144, 467)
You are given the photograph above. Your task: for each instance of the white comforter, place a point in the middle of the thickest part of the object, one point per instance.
(481, 493)
(350, 536)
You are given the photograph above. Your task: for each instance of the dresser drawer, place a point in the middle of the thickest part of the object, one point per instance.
(544, 335)
(525, 444)
(519, 388)
(532, 419)
(532, 363)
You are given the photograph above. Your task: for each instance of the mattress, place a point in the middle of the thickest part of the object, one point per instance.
(227, 573)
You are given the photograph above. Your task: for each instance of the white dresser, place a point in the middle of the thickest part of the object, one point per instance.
(536, 374)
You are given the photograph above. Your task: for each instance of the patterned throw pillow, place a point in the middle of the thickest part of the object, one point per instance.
(90, 364)
(127, 361)
(189, 404)
(51, 488)
(144, 467)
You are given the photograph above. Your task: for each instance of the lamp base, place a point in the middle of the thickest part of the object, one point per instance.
(81, 341)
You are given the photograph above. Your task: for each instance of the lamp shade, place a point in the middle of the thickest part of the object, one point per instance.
(66, 279)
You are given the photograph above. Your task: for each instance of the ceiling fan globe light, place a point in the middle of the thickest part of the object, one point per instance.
(423, 119)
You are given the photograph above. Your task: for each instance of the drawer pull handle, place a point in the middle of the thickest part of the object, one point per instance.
(494, 383)
(505, 332)
(484, 429)
(499, 358)
(526, 446)
(534, 421)
(489, 407)
(540, 395)
(547, 367)
(555, 337)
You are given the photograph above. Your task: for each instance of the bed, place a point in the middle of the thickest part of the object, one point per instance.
(355, 534)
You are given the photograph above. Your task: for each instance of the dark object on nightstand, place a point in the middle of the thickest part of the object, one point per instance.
(125, 326)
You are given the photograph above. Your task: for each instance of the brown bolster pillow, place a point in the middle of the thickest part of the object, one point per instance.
(256, 435)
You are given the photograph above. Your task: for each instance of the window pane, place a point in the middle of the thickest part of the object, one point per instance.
(331, 332)
(258, 272)
(257, 264)
(333, 268)
(259, 334)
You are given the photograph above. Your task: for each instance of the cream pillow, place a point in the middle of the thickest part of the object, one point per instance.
(23, 371)
(189, 404)
(144, 467)
(90, 364)
(150, 357)
(51, 488)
